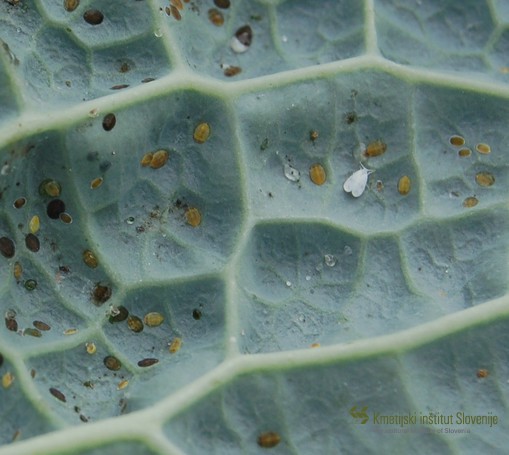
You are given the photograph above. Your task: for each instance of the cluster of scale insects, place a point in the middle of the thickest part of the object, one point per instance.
(50, 191)
(356, 183)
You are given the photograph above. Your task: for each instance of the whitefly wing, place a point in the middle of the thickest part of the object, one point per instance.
(356, 183)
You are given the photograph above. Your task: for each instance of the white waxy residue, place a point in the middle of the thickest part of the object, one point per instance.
(330, 260)
(291, 173)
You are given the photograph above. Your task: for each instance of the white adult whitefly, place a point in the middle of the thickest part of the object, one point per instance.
(356, 183)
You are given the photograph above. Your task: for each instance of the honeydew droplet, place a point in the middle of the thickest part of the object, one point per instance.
(201, 133)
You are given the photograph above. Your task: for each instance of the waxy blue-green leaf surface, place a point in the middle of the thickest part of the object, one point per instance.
(298, 307)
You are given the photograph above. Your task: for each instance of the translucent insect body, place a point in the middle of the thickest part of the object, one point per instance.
(356, 183)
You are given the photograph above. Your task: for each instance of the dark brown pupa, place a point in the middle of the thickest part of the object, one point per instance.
(57, 394)
(93, 17)
(7, 248)
(32, 242)
(109, 121)
(147, 362)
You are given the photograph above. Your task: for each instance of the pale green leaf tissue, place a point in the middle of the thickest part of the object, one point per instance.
(308, 319)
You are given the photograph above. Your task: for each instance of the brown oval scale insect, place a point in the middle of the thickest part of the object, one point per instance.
(101, 294)
(135, 323)
(71, 5)
(201, 133)
(93, 16)
(90, 259)
(193, 217)
(112, 363)
(375, 148)
(153, 319)
(109, 121)
(57, 394)
(159, 159)
(41, 326)
(32, 242)
(7, 248)
(317, 174)
(224, 4)
(269, 439)
(147, 362)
